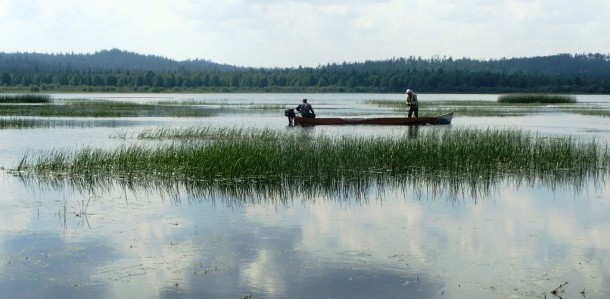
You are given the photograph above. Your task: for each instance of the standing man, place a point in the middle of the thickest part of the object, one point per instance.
(306, 110)
(412, 103)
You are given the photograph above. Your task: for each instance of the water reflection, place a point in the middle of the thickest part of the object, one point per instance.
(362, 239)
(413, 132)
(357, 188)
(46, 266)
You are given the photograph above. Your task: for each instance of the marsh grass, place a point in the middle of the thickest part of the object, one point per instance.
(514, 105)
(461, 108)
(193, 102)
(25, 98)
(536, 99)
(222, 104)
(269, 107)
(401, 103)
(98, 108)
(24, 123)
(207, 133)
(27, 123)
(243, 155)
(588, 111)
(44, 106)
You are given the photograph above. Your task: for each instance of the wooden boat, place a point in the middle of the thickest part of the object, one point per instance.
(444, 119)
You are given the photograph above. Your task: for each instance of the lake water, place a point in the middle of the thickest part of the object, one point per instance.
(376, 240)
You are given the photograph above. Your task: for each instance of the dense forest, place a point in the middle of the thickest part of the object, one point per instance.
(116, 70)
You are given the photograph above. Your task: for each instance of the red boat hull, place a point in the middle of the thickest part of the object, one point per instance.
(444, 119)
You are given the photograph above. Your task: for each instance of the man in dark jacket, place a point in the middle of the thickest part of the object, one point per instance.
(306, 109)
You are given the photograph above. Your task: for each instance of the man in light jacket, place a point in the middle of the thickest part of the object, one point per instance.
(412, 103)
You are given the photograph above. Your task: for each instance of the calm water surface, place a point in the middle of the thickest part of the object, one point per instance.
(61, 240)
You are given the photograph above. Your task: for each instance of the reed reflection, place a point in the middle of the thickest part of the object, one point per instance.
(285, 190)
(325, 232)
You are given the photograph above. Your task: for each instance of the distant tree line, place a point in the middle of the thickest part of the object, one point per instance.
(116, 70)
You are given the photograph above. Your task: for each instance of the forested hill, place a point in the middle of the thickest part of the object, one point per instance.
(114, 60)
(116, 70)
(562, 65)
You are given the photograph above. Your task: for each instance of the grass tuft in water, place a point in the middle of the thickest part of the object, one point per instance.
(536, 99)
(34, 122)
(25, 98)
(99, 108)
(206, 133)
(24, 123)
(255, 154)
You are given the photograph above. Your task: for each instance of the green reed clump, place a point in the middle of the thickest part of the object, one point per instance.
(255, 154)
(536, 99)
(25, 98)
(206, 133)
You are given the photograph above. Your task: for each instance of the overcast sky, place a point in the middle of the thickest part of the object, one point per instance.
(289, 33)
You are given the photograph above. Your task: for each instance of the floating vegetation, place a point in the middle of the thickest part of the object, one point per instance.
(461, 107)
(223, 104)
(386, 103)
(401, 103)
(27, 123)
(462, 157)
(536, 99)
(588, 111)
(97, 108)
(24, 123)
(25, 98)
(207, 133)
(507, 105)
(44, 106)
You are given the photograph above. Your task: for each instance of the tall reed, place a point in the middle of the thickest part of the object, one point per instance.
(253, 154)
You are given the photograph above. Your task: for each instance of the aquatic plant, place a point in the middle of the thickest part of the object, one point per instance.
(462, 107)
(32, 122)
(22, 123)
(536, 99)
(97, 108)
(254, 155)
(587, 111)
(223, 104)
(207, 133)
(25, 98)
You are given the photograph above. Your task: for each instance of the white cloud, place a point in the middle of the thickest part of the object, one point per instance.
(292, 33)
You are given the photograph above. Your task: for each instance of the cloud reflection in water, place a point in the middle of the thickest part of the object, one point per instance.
(362, 239)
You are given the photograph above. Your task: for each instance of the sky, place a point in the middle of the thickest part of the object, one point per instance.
(292, 33)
